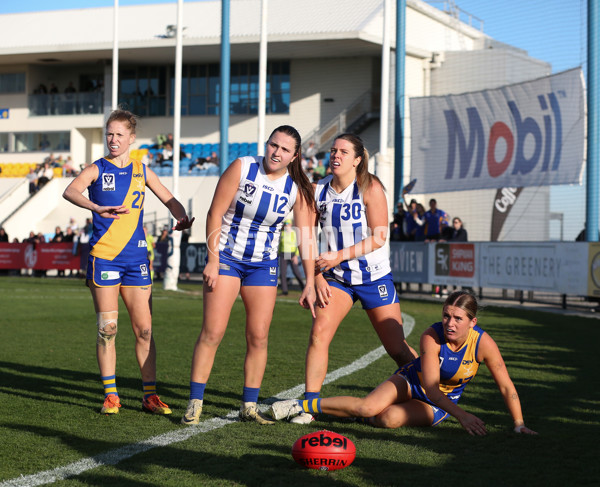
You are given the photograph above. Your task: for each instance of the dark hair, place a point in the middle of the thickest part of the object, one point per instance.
(465, 301)
(295, 167)
(124, 116)
(363, 177)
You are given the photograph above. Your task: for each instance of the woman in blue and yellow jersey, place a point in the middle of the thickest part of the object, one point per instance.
(118, 261)
(426, 391)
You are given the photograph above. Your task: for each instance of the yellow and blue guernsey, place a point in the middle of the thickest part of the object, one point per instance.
(121, 239)
(456, 369)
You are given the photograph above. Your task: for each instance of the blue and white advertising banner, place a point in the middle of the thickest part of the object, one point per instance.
(526, 134)
(409, 261)
(557, 267)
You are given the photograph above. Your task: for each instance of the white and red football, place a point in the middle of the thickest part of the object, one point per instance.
(324, 450)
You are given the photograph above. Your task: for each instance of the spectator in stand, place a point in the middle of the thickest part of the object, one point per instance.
(70, 104)
(420, 222)
(165, 155)
(397, 232)
(3, 236)
(32, 178)
(409, 219)
(288, 253)
(69, 235)
(311, 153)
(205, 162)
(457, 233)
(148, 159)
(68, 168)
(150, 245)
(319, 169)
(435, 221)
(162, 238)
(73, 226)
(45, 174)
(59, 236)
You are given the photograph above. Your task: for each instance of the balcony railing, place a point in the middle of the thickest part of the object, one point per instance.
(66, 103)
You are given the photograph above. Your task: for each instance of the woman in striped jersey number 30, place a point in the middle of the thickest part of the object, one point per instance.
(252, 200)
(353, 215)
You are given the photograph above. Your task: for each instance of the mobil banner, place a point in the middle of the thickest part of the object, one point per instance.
(526, 134)
(558, 267)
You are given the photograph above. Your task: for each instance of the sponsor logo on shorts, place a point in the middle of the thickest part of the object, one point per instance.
(144, 270)
(142, 243)
(109, 275)
(108, 182)
(273, 271)
(224, 267)
(383, 292)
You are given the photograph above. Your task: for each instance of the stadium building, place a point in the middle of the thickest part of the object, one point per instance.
(323, 76)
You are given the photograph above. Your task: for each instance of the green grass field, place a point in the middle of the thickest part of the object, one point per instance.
(50, 397)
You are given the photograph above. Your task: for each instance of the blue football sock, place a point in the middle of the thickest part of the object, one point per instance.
(197, 390)
(250, 394)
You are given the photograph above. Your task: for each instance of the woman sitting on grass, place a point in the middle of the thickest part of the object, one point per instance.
(426, 391)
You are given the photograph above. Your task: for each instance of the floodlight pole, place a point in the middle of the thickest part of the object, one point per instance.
(115, 58)
(262, 79)
(593, 128)
(399, 105)
(174, 258)
(225, 80)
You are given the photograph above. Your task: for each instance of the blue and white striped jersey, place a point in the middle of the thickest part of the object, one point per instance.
(252, 224)
(343, 222)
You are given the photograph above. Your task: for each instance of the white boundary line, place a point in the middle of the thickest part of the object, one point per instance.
(113, 457)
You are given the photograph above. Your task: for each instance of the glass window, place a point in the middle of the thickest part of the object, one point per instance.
(12, 82)
(201, 89)
(42, 141)
(3, 142)
(142, 90)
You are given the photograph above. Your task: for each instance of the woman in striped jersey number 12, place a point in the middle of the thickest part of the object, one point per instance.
(353, 216)
(252, 200)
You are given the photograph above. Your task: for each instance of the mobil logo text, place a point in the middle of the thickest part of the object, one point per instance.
(529, 139)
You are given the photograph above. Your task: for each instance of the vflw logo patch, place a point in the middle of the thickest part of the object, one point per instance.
(108, 182)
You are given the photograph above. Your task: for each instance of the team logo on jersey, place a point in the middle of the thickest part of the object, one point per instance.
(383, 292)
(142, 243)
(249, 192)
(108, 182)
(144, 270)
(322, 207)
(273, 271)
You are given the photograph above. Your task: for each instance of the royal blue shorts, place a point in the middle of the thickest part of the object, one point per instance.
(250, 273)
(108, 273)
(372, 295)
(417, 392)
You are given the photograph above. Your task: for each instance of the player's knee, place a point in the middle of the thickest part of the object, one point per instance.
(145, 334)
(367, 409)
(386, 419)
(107, 327)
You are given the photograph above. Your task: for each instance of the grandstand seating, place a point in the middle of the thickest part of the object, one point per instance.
(192, 150)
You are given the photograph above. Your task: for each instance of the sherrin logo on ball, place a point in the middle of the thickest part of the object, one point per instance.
(324, 450)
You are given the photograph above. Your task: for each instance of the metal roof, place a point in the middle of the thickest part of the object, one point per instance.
(295, 29)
